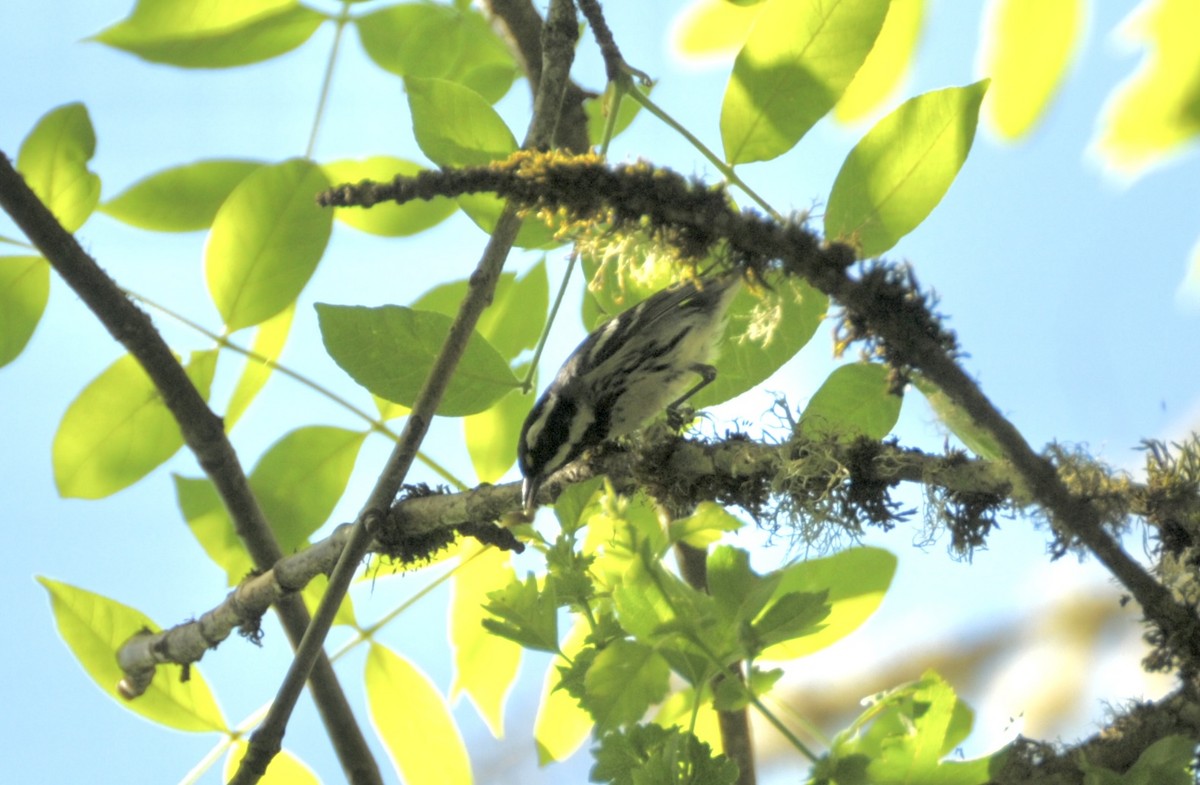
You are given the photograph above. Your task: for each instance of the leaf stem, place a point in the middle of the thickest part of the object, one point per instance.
(527, 382)
(323, 101)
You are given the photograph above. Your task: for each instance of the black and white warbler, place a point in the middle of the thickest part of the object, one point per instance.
(629, 369)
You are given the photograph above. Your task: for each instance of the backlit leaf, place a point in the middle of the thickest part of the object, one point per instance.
(454, 125)
(561, 726)
(887, 64)
(793, 68)
(414, 722)
(117, 430)
(1027, 48)
(440, 42)
(266, 241)
(94, 627)
(268, 344)
(212, 33)
(855, 580)
(181, 198)
(854, 401)
(300, 479)
(210, 524)
(485, 665)
(24, 290)
(53, 160)
(898, 172)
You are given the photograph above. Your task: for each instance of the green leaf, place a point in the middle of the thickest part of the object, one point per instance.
(268, 344)
(94, 627)
(789, 617)
(902, 738)
(902, 168)
(117, 430)
(300, 479)
(418, 730)
(793, 68)
(1157, 109)
(212, 33)
(54, 158)
(266, 242)
(887, 64)
(179, 199)
(1027, 48)
(855, 580)
(1165, 762)
(958, 421)
(491, 435)
(24, 291)
(854, 401)
(454, 125)
(441, 42)
(644, 754)
(740, 593)
(387, 219)
(485, 665)
(525, 614)
(561, 726)
(513, 322)
(576, 502)
(623, 682)
(390, 350)
(703, 527)
(210, 524)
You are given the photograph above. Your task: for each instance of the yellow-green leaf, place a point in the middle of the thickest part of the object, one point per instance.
(794, 67)
(118, 430)
(855, 580)
(24, 290)
(285, 768)
(886, 65)
(1027, 47)
(212, 33)
(414, 722)
(181, 198)
(491, 435)
(54, 158)
(212, 527)
(454, 125)
(902, 168)
(94, 627)
(511, 323)
(266, 241)
(854, 401)
(427, 40)
(485, 665)
(268, 344)
(709, 29)
(387, 219)
(1157, 109)
(300, 479)
(561, 726)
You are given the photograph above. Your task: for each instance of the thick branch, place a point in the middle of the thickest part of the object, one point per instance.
(883, 307)
(203, 432)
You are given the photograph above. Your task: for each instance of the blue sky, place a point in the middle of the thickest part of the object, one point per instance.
(1060, 283)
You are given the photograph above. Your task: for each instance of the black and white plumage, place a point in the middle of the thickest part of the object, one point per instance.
(637, 364)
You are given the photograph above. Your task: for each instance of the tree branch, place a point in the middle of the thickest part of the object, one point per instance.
(203, 432)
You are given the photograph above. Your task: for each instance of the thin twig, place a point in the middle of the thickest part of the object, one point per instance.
(267, 739)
